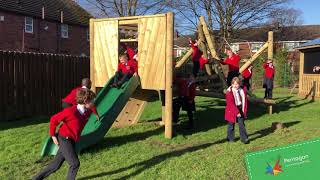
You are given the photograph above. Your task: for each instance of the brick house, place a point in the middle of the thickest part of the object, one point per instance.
(247, 41)
(47, 26)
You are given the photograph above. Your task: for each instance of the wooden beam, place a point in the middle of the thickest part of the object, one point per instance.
(133, 28)
(184, 58)
(131, 21)
(206, 78)
(129, 17)
(210, 41)
(128, 40)
(254, 57)
(202, 46)
(92, 66)
(169, 77)
(270, 45)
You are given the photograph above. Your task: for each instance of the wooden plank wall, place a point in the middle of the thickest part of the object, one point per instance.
(34, 84)
(152, 52)
(307, 84)
(105, 51)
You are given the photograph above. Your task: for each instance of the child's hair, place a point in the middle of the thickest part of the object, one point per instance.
(84, 95)
(235, 79)
(124, 56)
(86, 82)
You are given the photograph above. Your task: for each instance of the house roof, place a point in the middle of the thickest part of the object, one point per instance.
(310, 44)
(293, 33)
(72, 12)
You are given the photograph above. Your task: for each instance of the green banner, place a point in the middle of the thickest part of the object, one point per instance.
(300, 161)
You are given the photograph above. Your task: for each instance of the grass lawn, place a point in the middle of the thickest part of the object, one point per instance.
(141, 152)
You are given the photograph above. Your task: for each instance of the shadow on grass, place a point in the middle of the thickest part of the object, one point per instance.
(143, 165)
(5, 125)
(121, 140)
(265, 132)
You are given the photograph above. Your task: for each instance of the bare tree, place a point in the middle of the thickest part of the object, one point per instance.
(119, 8)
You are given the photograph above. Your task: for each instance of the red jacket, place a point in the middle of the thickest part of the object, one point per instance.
(203, 61)
(73, 122)
(134, 64)
(231, 110)
(269, 71)
(232, 62)
(123, 67)
(71, 97)
(196, 54)
(130, 51)
(186, 88)
(247, 73)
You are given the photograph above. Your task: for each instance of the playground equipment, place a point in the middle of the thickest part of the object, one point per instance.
(214, 78)
(154, 38)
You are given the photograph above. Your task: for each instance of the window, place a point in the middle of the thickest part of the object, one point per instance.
(28, 25)
(256, 46)
(235, 47)
(289, 46)
(88, 35)
(64, 31)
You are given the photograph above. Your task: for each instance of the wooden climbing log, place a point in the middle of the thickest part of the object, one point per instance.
(184, 58)
(254, 57)
(210, 41)
(206, 78)
(270, 45)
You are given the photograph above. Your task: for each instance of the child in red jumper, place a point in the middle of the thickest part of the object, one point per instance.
(268, 78)
(233, 62)
(236, 110)
(186, 95)
(247, 74)
(124, 72)
(197, 58)
(73, 120)
(70, 99)
(133, 57)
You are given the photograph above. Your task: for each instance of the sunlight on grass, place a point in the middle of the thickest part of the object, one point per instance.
(141, 152)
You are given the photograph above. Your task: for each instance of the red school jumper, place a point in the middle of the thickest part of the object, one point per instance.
(269, 71)
(232, 62)
(197, 56)
(73, 122)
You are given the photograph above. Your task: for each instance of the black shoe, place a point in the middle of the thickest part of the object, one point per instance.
(245, 141)
(232, 140)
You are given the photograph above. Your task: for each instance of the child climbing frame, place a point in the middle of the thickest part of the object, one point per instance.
(154, 35)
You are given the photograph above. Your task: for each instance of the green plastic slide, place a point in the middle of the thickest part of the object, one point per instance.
(109, 103)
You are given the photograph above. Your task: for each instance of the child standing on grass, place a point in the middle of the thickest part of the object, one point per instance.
(268, 78)
(236, 110)
(124, 72)
(73, 120)
(186, 95)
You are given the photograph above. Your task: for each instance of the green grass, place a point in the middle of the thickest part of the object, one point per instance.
(141, 152)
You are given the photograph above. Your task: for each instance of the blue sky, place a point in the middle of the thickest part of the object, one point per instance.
(310, 10)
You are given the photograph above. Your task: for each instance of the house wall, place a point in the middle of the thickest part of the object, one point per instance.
(45, 38)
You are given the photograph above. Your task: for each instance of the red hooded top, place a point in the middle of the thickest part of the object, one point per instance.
(186, 88)
(247, 73)
(269, 70)
(232, 62)
(196, 53)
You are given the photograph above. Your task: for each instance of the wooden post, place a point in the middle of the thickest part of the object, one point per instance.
(301, 72)
(169, 74)
(254, 57)
(184, 58)
(210, 41)
(92, 66)
(203, 47)
(270, 45)
(270, 109)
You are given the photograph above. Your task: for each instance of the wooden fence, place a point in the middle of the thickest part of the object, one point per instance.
(33, 84)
